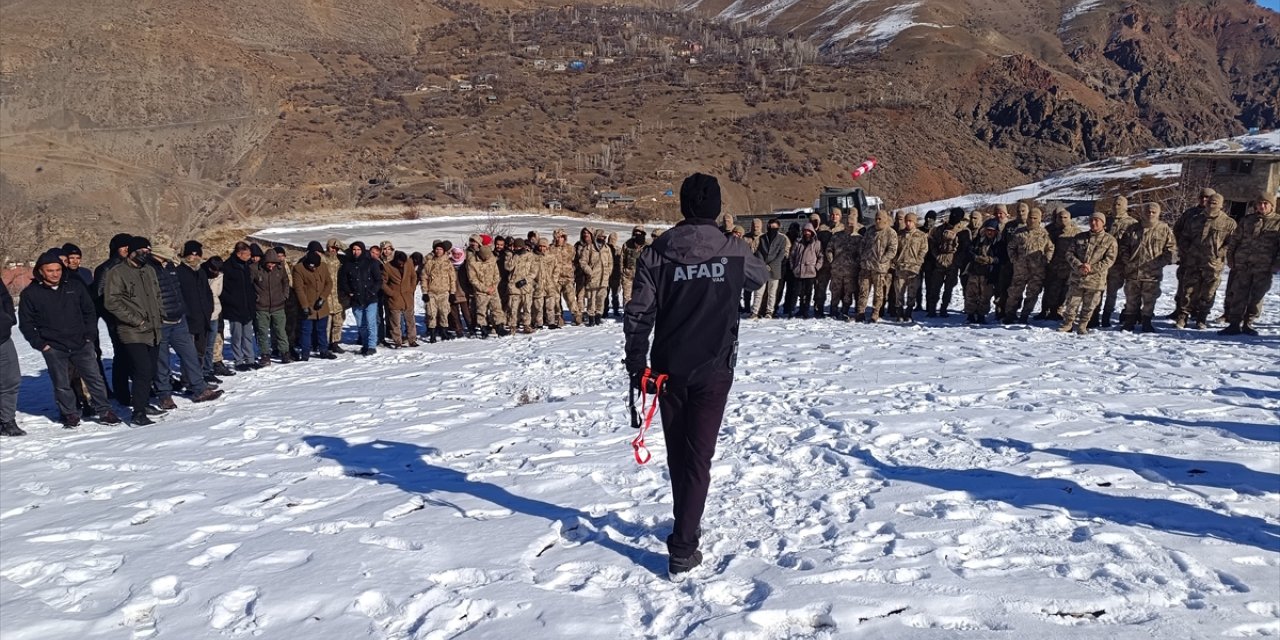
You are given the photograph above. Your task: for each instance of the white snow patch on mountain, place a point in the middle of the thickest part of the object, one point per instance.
(1080, 8)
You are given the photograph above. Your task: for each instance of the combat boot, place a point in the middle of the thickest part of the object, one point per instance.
(1232, 329)
(1248, 330)
(1065, 328)
(1127, 323)
(1147, 327)
(1201, 324)
(1025, 318)
(431, 335)
(1180, 321)
(1082, 330)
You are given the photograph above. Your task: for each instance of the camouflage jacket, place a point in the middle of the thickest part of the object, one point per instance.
(912, 247)
(438, 276)
(879, 248)
(1146, 251)
(846, 248)
(1030, 248)
(1098, 250)
(1204, 240)
(1255, 245)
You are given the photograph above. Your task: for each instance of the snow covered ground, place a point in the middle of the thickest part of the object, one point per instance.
(417, 235)
(931, 481)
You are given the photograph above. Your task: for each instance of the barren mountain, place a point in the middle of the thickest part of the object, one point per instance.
(169, 117)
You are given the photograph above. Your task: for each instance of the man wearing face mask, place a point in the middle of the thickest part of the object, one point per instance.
(948, 245)
(131, 293)
(521, 273)
(627, 258)
(772, 250)
(879, 248)
(1147, 248)
(686, 295)
(1030, 250)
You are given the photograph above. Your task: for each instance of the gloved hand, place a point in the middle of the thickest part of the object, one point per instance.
(424, 299)
(520, 284)
(453, 298)
(318, 305)
(635, 371)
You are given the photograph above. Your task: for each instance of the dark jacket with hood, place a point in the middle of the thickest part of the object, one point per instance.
(8, 316)
(172, 306)
(361, 279)
(132, 294)
(271, 285)
(686, 292)
(99, 274)
(197, 294)
(61, 315)
(239, 298)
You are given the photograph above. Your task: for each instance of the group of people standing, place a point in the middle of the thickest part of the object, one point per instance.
(1007, 263)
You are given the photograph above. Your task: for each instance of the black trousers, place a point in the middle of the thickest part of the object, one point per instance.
(63, 365)
(691, 416)
(804, 288)
(119, 366)
(142, 368)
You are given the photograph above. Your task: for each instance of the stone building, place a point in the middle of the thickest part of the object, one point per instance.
(1240, 176)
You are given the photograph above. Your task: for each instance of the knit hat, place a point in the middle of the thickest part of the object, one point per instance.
(438, 244)
(137, 243)
(485, 253)
(448, 246)
(255, 250)
(69, 249)
(637, 229)
(273, 257)
(52, 256)
(700, 197)
(542, 242)
(992, 224)
(912, 217)
(315, 246)
(280, 250)
(1153, 207)
(192, 248)
(486, 240)
(517, 244)
(955, 216)
(1098, 215)
(1207, 193)
(334, 243)
(1036, 216)
(118, 241)
(312, 259)
(1000, 208)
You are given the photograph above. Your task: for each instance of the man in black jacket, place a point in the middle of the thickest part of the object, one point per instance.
(59, 320)
(686, 292)
(119, 249)
(239, 305)
(10, 372)
(772, 249)
(175, 337)
(361, 280)
(197, 295)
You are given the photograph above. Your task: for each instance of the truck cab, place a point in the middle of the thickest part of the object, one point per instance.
(849, 201)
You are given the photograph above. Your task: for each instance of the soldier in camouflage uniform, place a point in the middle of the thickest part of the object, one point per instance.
(566, 290)
(1090, 256)
(546, 301)
(947, 246)
(1254, 256)
(1008, 226)
(1205, 239)
(1179, 231)
(913, 245)
(439, 282)
(1030, 249)
(334, 254)
(879, 248)
(628, 256)
(1118, 222)
(1062, 232)
(522, 275)
(482, 272)
(846, 251)
(981, 269)
(823, 282)
(1145, 249)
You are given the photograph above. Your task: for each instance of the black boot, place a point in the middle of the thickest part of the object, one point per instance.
(484, 332)
(1232, 329)
(1128, 322)
(432, 334)
(1147, 327)
(11, 429)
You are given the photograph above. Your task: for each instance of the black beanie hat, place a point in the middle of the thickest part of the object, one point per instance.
(119, 241)
(255, 250)
(213, 265)
(312, 259)
(192, 248)
(315, 246)
(448, 246)
(138, 242)
(955, 216)
(280, 250)
(52, 256)
(69, 249)
(700, 197)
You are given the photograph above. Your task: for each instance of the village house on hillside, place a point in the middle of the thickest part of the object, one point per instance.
(1239, 175)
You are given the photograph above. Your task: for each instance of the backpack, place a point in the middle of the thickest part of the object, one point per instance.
(950, 242)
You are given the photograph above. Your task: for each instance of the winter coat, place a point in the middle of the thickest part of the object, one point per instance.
(606, 267)
(1255, 245)
(1204, 240)
(566, 256)
(544, 274)
(8, 317)
(439, 278)
(399, 284)
(806, 258)
(1030, 248)
(912, 248)
(879, 248)
(239, 297)
(215, 287)
(947, 245)
(772, 250)
(846, 250)
(197, 294)
(520, 267)
(1062, 242)
(1145, 251)
(172, 307)
(628, 256)
(336, 301)
(587, 263)
(132, 295)
(483, 274)
(1098, 250)
(982, 261)
(686, 294)
(63, 318)
(310, 286)
(361, 280)
(271, 286)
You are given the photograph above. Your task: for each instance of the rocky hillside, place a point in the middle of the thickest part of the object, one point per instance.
(172, 117)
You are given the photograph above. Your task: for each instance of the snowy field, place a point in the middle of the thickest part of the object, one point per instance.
(417, 235)
(931, 481)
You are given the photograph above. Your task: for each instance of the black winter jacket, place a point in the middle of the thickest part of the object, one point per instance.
(361, 280)
(62, 318)
(239, 297)
(99, 279)
(8, 317)
(172, 308)
(687, 287)
(198, 297)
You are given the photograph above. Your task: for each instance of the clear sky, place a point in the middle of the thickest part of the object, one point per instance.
(1273, 5)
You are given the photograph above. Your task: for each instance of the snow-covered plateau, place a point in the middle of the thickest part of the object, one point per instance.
(877, 481)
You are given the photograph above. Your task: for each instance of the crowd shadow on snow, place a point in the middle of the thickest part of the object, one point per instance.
(1158, 468)
(35, 396)
(1023, 492)
(401, 465)
(1246, 430)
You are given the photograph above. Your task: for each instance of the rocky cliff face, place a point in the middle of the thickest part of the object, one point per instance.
(167, 118)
